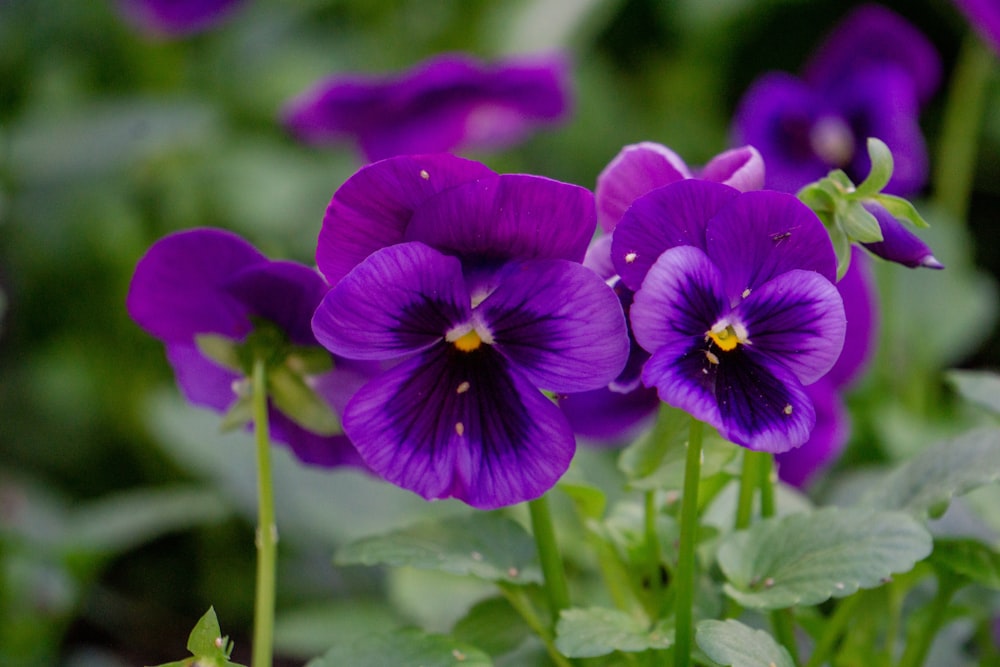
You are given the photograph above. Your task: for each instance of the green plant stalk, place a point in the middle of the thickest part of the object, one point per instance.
(963, 114)
(685, 582)
(920, 642)
(267, 531)
(522, 605)
(834, 629)
(548, 554)
(653, 549)
(749, 483)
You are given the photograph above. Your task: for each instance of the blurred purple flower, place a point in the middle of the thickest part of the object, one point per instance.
(209, 282)
(984, 17)
(868, 79)
(176, 18)
(610, 415)
(800, 466)
(470, 283)
(448, 103)
(735, 301)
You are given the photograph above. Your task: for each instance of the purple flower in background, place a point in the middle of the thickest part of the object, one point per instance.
(448, 103)
(868, 79)
(612, 414)
(470, 284)
(984, 16)
(735, 300)
(175, 18)
(196, 289)
(800, 466)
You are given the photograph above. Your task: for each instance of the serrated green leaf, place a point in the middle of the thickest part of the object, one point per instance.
(403, 647)
(901, 209)
(492, 625)
(858, 223)
(300, 403)
(221, 350)
(737, 645)
(970, 558)
(488, 546)
(804, 559)
(939, 472)
(881, 170)
(979, 387)
(587, 633)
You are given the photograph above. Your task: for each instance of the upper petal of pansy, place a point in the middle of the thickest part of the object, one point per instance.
(284, 293)
(448, 423)
(373, 207)
(173, 18)
(762, 234)
(201, 380)
(741, 168)
(559, 323)
(984, 17)
(674, 215)
(680, 299)
(636, 170)
(177, 289)
(797, 319)
(401, 299)
(512, 216)
(875, 36)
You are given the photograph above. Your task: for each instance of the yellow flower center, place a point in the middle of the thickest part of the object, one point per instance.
(468, 342)
(726, 339)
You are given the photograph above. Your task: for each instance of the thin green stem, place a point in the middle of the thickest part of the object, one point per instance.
(267, 530)
(749, 483)
(919, 642)
(833, 630)
(685, 579)
(963, 116)
(767, 480)
(548, 554)
(653, 549)
(518, 599)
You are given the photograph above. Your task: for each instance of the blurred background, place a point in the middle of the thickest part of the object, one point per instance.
(124, 513)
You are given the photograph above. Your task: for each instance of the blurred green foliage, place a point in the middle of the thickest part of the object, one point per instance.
(124, 514)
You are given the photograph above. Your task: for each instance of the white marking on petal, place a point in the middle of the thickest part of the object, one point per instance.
(462, 388)
(788, 409)
(424, 175)
(630, 257)
(746, 293)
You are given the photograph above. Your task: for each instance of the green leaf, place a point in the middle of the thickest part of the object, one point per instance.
(309, 360)
(492, 625)
(488, 546)
(858, 223)
(979, 387)
(938, 473)
(881, 171)
(816, 197)
(587, 633)
(589, 501)
(403, 647)
(207, 645)
(901, 209)
(804, 559)
(298, 401)
(306, 631)
(732, 643)
(238, 416)
(221, 350)
(970, 558)
(842, 248)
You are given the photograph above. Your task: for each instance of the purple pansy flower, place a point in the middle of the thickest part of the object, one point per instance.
(206, 284)
(867, 80)
(448, 103)
(612, 414)
(801, 465)
(898, 243)
(174, 18)
(474, 290)
(984, 16)
(735, 300)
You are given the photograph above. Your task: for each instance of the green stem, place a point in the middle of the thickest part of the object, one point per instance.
(684, 626)
(767, 481)
(749, 483)
(963, 115)
(653, 549)
(522, 605)
(267, 531)
(548, 553)
(833, 630)
(919, 642)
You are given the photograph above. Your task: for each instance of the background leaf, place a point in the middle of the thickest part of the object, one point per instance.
(732, 643)
(403, 647)
(595, 631)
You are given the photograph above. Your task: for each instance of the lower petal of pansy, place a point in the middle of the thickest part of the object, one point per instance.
(680, 298)
(448, 423)
(797, 320)
(559, 323)
(761, 407)
(319, 450)
(201, 380)
(800, 465)
(685, 377)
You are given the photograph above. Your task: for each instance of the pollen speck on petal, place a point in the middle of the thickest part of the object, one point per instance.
(424, 175)
(462, 388)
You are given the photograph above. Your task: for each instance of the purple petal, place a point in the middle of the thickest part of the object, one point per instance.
(741, 168)
(898, 243)
(760, 235)
(861, 308)
(308, 447)
(559, 324)
(797, 320)
(284, 293)
(872, 36)
(800, 466)
(609, 417)
(680, 299)
(444, 104)
(173, 18)
(178, 289)
(598, 257)
(636, 170)
(508, 217)
(685, 378)
(674, 215)
(984, 16)
(466, 425)
(372, 209)
(201, 380)
(401, 299)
